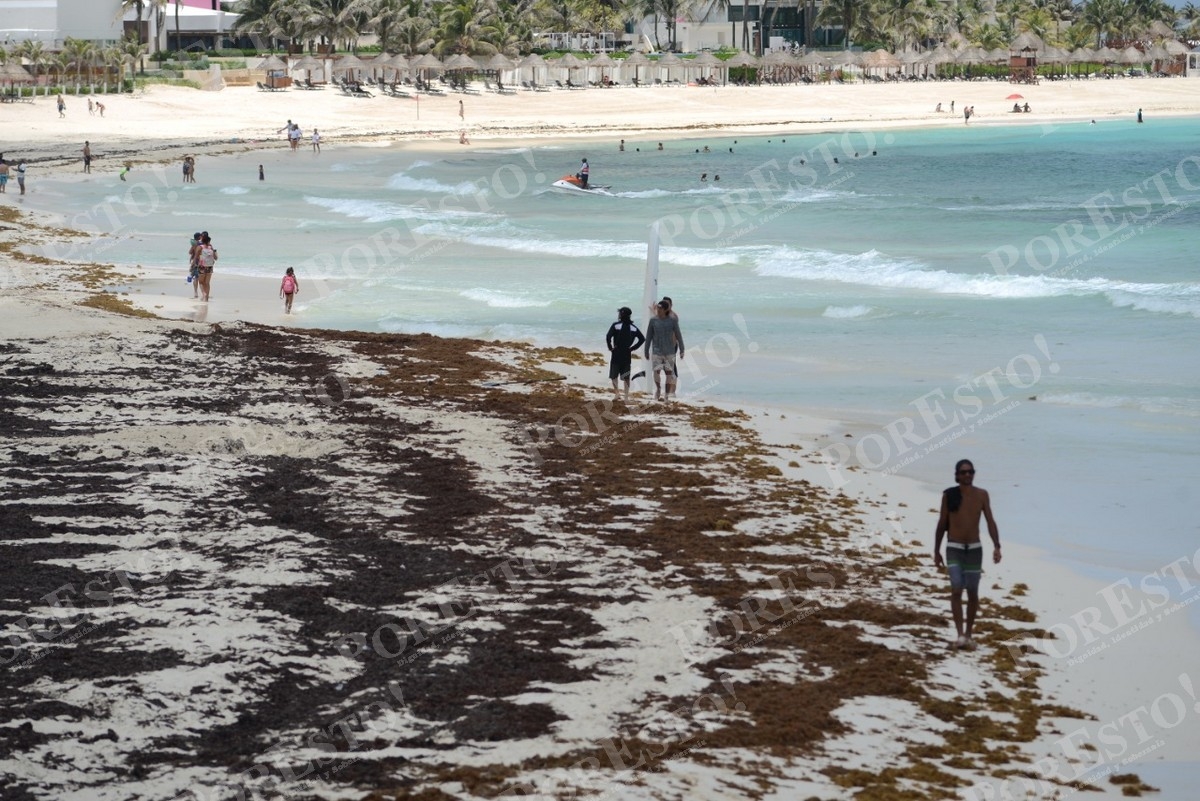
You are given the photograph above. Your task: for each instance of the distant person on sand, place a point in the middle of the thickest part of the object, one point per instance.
(21, 175)
(462, 114)
(623, 339)
(100, 107)
(663, 340)
(1139, 116)
(939, 108)
(87, 157)
(962, 506)
(91, 107)
(62, 106)
(288, 289)
(208, 259)
(462, 138)
(3, 176)
(316, 141)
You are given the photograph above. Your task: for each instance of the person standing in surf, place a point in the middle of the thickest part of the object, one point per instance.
(962, 506)
(664, 339)
(623, 339)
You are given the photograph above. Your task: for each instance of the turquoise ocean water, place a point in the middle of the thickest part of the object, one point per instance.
(924, 290)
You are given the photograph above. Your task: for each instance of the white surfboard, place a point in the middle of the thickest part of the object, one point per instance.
(650, 292)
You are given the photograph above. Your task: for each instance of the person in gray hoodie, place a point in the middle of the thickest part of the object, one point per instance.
(663, 340)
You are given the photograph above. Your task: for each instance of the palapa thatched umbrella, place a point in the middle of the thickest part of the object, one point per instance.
(349, 63)
(568, 62)
(272, 65)
(532, 62)
(880, 60)
(814, 61)
(601, 62)
(706, 62)
(668, 61)
(742, 59)
(308, 64)
(637, 60)
(1131, 55)
(14, 73)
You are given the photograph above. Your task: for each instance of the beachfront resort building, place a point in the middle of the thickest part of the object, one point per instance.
(202, 24)
(755, 27)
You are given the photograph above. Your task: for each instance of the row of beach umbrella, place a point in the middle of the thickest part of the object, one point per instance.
(775, 62)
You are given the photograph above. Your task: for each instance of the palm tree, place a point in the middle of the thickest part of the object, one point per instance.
(60, 62)
(35, 54)
(254, 16)
(131, 50)
(845, 13)
(461, 27)
(1190, 14)
(78, 53)
(329, 19)
(112, 58)
(509, 31)
(385, 18)
(415, 31)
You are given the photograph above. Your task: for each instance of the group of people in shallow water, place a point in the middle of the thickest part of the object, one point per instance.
(202, 257)
(662, 341)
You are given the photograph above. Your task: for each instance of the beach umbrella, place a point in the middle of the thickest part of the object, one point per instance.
(14, 73)
(1161, 29)
(601, 62)
(399, 63)
(1131, 55)
(382, 61)
(1106, 55)
(498, 62)
(706, 61)
(1174, 47)
(637, 60)
(1015, 96)
(427, 63)
(532, 62)
(308, 64)
(349, 63)
(568, 62)
(742, 59)
(880, 60)
(458, 62)
(271, 63)
(667, 61)
(814, 59)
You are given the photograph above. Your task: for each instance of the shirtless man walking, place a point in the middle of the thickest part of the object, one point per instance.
(962, 506)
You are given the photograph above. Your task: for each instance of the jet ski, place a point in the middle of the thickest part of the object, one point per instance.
(571, 183)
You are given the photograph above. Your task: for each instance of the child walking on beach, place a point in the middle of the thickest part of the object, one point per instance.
(288, 289)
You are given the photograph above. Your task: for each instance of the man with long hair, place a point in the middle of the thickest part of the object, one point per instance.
(962, 506)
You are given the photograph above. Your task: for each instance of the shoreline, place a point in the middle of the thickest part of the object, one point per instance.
(538, 119)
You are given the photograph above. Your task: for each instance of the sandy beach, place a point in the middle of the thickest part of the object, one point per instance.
(248, 559)
(164, 120)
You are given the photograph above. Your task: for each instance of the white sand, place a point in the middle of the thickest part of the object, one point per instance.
(143, 125)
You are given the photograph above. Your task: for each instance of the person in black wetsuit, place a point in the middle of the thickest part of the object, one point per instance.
(623, 338)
